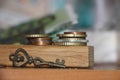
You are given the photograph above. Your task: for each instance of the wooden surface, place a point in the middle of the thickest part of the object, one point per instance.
(58, 74)
(99, 72)
(74, 56)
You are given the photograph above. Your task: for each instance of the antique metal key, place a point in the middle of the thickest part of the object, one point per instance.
(21, 58)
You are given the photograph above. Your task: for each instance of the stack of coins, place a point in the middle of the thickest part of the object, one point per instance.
(72, 39)
(39, 39)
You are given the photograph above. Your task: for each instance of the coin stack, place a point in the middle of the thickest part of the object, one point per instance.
(72, 39)
(39, 39)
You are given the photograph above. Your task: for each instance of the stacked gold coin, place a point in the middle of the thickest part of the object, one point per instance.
(72, 39)
(39, 39)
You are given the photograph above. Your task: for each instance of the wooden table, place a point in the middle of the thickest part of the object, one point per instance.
(99, 72)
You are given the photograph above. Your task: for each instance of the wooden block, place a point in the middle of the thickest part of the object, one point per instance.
(74, 56)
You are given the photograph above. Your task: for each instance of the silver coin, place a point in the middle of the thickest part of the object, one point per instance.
(72, 40)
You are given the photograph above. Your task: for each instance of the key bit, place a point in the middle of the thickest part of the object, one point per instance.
(38, 62)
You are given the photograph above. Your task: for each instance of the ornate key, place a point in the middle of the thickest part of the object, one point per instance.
(21, 58)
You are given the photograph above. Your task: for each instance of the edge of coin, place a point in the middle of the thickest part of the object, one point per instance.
(70, 44)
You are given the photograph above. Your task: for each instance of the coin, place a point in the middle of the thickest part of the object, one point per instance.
(40, 43)
(70, 44)
(71, 35)
(36, 35)
(83, 38)
(84, 33)
(72, 40)
(39, 39)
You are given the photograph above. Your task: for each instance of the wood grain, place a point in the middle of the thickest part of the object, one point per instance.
(74, 56)
(58, 74)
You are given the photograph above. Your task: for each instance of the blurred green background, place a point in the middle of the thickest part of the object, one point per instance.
(99, 18)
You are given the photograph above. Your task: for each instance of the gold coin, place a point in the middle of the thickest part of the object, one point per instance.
(84, 33)
(83, 38)
(36, 35)
(70, 44)
(73, 38)
(71, 35)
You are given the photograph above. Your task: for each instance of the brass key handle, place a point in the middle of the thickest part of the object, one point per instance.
(20, 58)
